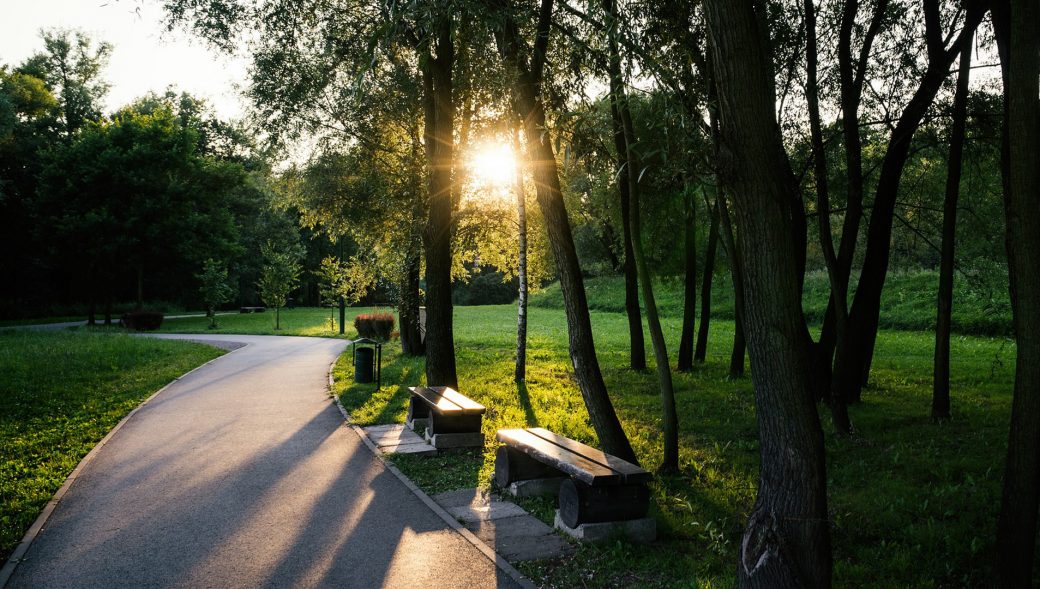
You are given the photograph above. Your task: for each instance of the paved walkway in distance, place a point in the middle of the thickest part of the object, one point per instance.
(83, 323)
(242, 474)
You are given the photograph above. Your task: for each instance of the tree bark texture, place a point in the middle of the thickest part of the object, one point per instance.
(1015, 25)
(944, 308)
(685, 361)
(527, 75)
(701, 352)
(440, 148)
(787, 540)
(411, 335)
(737, 353)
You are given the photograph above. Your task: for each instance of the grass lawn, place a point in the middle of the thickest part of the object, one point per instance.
(311, 321)
(913, 504)
(60, 393)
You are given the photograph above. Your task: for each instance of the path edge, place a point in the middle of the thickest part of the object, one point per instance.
(41, 520)
(470, 537)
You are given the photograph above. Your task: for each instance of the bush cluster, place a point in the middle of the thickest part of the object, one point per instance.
(375, 326)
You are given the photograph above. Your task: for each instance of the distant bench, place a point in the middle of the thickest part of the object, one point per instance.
(252, 309)
(452, 420)
(598, 487)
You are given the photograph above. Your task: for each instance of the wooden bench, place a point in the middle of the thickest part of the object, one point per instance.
(252, 309)
(452, 420)
(598, 487)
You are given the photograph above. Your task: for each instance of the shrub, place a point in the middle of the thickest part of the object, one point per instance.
(376, 326)
(142, 320)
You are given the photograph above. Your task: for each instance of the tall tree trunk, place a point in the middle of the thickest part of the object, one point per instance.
(709, 271)
(669, 417)
(836, 400)
(1015, 28)
(520, 374)
(941, 368)
(440, 150)
(527, 76)
(140, 287)
(787, 540)
(411, 336)
(866, 306)
(685, 361)
(636, 344)
(736, 356)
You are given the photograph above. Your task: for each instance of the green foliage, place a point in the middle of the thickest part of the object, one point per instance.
(60, 393)
(215, 289)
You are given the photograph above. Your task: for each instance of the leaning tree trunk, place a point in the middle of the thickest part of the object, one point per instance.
(839, 298)
(669, 416)
(636, 344)
(941, 367)
(526, 82)
(709, 271)
(787, 540)
(520, 373)
(1017, 42)
(866, 306)
(440, 148)
(685, 361)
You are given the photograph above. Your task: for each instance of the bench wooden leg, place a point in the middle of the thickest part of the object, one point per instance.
(581, 503)
(513, 465)
(418, 413)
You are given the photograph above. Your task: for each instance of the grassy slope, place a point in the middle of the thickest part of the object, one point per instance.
(908, 301)
(309, 321)
(913, 503)
(60, 393)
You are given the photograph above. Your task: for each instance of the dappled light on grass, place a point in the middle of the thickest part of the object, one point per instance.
(922, 489)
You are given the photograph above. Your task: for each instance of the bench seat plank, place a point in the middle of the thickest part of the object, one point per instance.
(447, 401)
(576, 465)
(468, 406)
(631, 473)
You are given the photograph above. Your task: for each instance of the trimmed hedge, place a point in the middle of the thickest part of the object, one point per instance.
(376, 326)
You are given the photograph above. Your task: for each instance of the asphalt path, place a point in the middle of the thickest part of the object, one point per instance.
(242, 474)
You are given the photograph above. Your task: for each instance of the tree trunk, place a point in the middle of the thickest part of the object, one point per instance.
(1015, 28)
(787, 540)
(440, 150)
(685, 361)
(411, 336)
(866, 306)
(669, 417)
(636, 343)
(520, 374)
(140, 288)
(709, 271)
(527, 75)
(736, 356)
(941, 370)
(836, 400)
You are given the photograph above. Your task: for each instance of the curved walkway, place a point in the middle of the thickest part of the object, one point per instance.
(241, 474)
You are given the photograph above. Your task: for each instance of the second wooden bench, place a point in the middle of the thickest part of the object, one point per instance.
(599, 487)
(452, 420)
